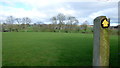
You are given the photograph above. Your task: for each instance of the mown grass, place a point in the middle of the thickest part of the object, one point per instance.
(51, 49)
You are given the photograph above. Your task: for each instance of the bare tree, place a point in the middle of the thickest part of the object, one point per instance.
(62, 22)
(61, 18)
(18, 20)
(72, 22)
(54, 23)
(26, 22)
(84, 25)
(10, 21)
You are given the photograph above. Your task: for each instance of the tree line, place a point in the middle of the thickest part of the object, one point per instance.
(59, 23)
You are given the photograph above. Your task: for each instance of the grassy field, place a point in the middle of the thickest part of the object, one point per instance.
(51, 49)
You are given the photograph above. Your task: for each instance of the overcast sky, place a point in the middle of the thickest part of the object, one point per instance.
(43, 10)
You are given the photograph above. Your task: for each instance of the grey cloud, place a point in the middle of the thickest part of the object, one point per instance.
(82, 9)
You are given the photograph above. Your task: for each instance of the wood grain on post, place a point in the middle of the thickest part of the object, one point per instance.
(101, 42)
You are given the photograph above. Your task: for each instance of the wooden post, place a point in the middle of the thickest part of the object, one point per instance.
(101, 41)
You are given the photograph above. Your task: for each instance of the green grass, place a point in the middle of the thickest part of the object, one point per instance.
(51, 49)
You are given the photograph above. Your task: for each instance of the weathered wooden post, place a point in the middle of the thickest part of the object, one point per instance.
(101, 49)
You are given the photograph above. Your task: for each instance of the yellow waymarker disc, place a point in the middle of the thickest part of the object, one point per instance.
(105, 23)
